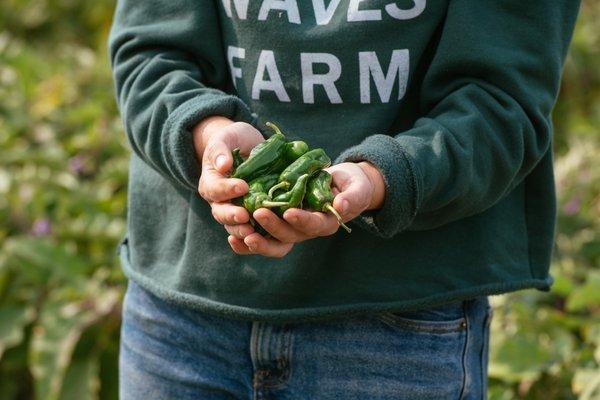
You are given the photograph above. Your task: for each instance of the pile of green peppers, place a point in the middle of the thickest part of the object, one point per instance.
(283, 175)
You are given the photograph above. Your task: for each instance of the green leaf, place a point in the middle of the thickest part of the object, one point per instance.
(585, 296)
(13, 319)
(562, 285)
(55, 337)
(518, 358)
(81, 380)
(40, 259)
(499, 392)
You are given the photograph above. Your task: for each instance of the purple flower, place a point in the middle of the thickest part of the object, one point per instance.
(42, 227)
(77, 164)
(572, 206)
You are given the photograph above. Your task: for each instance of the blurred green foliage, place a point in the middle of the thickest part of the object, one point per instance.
(63, 177)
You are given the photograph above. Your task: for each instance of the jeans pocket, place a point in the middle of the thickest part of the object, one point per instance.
(428, 347)
(445, 318)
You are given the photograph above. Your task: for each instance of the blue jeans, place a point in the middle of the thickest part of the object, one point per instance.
(173, 352)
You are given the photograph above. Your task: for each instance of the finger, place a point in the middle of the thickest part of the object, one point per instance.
(238, 245)
(239, 231)
(267, 246)
(214, 187)
(277, 227)
(341, 176)
(229, 214)
(217, 155)
(311, 223)
(244, 136)
(352, 201)
(354, 194)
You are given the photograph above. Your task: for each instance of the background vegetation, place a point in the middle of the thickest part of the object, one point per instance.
(63, 163)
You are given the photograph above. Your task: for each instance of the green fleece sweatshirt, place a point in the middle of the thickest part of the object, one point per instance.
(450, 100)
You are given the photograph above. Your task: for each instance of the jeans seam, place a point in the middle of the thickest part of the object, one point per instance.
(484, 349)
(255, 332)
(465, 382)
(262, 336)
(456, 325)
(288, 354)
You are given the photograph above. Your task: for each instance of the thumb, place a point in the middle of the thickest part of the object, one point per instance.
(218, 155)
(352, 200)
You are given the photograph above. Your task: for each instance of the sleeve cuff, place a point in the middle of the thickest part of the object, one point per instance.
(402, 186)
(178, 144)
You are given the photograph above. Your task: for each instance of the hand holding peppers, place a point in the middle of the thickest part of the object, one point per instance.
(351, 183)
(303, 184)
(214, 140)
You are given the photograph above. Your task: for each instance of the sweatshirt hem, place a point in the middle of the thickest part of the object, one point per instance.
(320, 312)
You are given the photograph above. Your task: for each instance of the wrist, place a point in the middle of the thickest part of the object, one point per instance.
(377, 182)
(204, 129)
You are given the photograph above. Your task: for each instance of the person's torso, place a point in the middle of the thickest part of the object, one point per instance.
(321, 69)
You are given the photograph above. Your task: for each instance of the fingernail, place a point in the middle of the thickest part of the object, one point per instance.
(237, 189)
(345, 206)
(236, 219)
(220, 161)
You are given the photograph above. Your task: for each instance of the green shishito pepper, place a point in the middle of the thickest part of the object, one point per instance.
(293, 150)
(262, 183)
(268, 154)
(257, 194)
(257, 198)
(272, 155)
(254, 201)
(308, 163)
(293, 198)
(319, 196)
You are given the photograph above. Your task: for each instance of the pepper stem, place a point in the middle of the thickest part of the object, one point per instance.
(274, 127)
(329, 207)
(270, 204)
(280, 185)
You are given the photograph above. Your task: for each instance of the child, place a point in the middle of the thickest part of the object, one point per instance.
(438, 116)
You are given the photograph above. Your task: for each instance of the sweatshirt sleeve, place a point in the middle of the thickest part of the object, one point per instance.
(486, 99)
(169, 71)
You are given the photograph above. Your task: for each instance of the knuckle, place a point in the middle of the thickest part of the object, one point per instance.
(202, 189)
(213, 193)
(210, 150)
(226, 218)
(237, 250)
(208, 194)
(242, 232)
(241, 126)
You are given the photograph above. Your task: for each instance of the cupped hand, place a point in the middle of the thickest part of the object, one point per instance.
(214, 139)
(357, 187)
